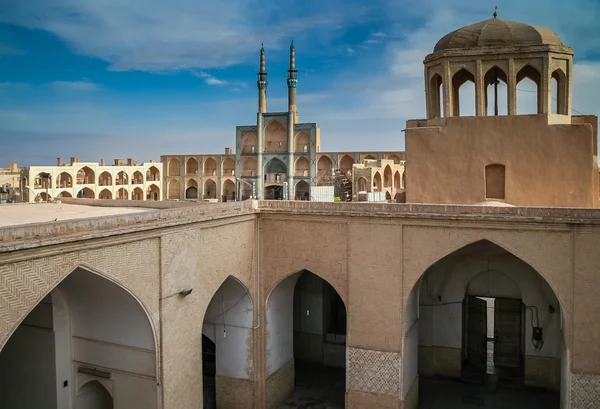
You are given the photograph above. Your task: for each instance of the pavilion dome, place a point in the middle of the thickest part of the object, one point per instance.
(497, 33)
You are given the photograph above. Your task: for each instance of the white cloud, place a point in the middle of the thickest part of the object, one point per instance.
(14, 85)
(208, 78)
(155, 35)
(83, 85)
(350, 51)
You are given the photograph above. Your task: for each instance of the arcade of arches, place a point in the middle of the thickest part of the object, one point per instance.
(389, 307)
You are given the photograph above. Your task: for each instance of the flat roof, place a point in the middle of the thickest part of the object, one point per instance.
(19, 214)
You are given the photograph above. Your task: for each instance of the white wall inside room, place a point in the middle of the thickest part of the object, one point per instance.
(280, 324)
(411, 340)
(111, 331)
(27, 374)
(445, 284)
(234, 348)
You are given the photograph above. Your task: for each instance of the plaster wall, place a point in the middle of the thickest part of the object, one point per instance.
(546, 165)
(231, 331)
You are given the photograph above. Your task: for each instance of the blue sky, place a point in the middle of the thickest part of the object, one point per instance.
(140, 78)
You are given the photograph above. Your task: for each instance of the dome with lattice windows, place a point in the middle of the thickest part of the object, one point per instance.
(497, 33)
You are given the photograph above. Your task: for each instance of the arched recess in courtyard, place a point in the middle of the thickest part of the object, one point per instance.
(324, 170)
(153, 192)
(174, 167)
(64, 180)
(228, 191)
(191, 189)
(105, 194)
(276, 137)
(87, 342)
(105, 179)
(275, 175)
(346, 163)
(302, 190)
(153, 174)
(86, 193)
(191, 166)
(210, 167)
(306, 340)
(227, 345)
(137, 178)
(173, 189)
(137, 194)
(481, 315)
(228, 167)
(210, 189)
(86, 176)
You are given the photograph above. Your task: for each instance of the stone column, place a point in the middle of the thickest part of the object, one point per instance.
(544, 89)
(512, 87)
(480, 101)
(291, 148)
(447, 88)
(260, 134)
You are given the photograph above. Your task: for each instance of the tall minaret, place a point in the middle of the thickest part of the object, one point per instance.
(292, 82)
(262, 82)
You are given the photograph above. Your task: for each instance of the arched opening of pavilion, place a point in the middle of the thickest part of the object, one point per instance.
(227, 339)
(275, 177)
(481, 323)
(87, 344)
(306, 342)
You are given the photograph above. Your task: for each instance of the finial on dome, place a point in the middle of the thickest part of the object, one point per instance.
(262, 47)
(495, 12)
(292, 45)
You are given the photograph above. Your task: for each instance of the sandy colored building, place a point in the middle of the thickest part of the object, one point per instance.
(10, 183)
(126, 180)
(381, 176)
(277, 158)
(262, 303)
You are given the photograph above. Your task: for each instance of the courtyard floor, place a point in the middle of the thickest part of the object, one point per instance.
(317, 387)
(445, 394)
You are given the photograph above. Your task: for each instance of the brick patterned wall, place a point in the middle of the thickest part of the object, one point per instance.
(280, 385)
(375, 372)
(132, 265)
(585, 391)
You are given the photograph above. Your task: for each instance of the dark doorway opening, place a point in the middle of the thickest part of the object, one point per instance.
(319, 345)
(209, 371)
(274, 192)
(493, 341)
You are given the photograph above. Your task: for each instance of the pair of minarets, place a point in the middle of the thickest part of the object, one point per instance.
(292, 83)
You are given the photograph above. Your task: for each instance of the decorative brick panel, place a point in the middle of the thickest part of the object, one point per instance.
(23, 284)
(373, 371)
(585, 391)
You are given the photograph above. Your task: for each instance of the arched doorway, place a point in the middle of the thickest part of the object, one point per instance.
(93, 395)
(153, 192)
(275, 176)
(306, 342)
(482, 325)
(210, 189)
(87, 331)
(228, 191)
(191, 191)
(302, 190)
(227, 347)
(173, 189)
(86, 193)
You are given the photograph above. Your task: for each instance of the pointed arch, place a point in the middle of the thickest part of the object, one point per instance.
(395, 158)
(302, 190)
(302, 167)
(122, 193)
(153, 174)
(249, 143)
(210, 189)
(191, 189)
(387, 177)
(65, 194)
(463, 93)
(174, 167)
(86, 193)
(397, 180)
(191, 166)
(105, 194)
(137, 178)
(93, 395)
(496, 91)
(436, 95)
(173, 189)
(324, 170)
(153, 192)
(105, 179)
(276, 137)
(249, 166)
(560, 91)
(346, 163)
(137, 194)
(64, 180)
(370, 157)
(529, 97)
(86, 176)
(122, 178)
(210, 167)
(228, 191)
(377, 185)
(228, 167)
(302, 142)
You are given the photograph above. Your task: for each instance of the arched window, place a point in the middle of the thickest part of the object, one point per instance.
(529, 99)
(174, 167)
(559, 92)
(495, 182)
(463, 93)
(496, 92)
(436, 96)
